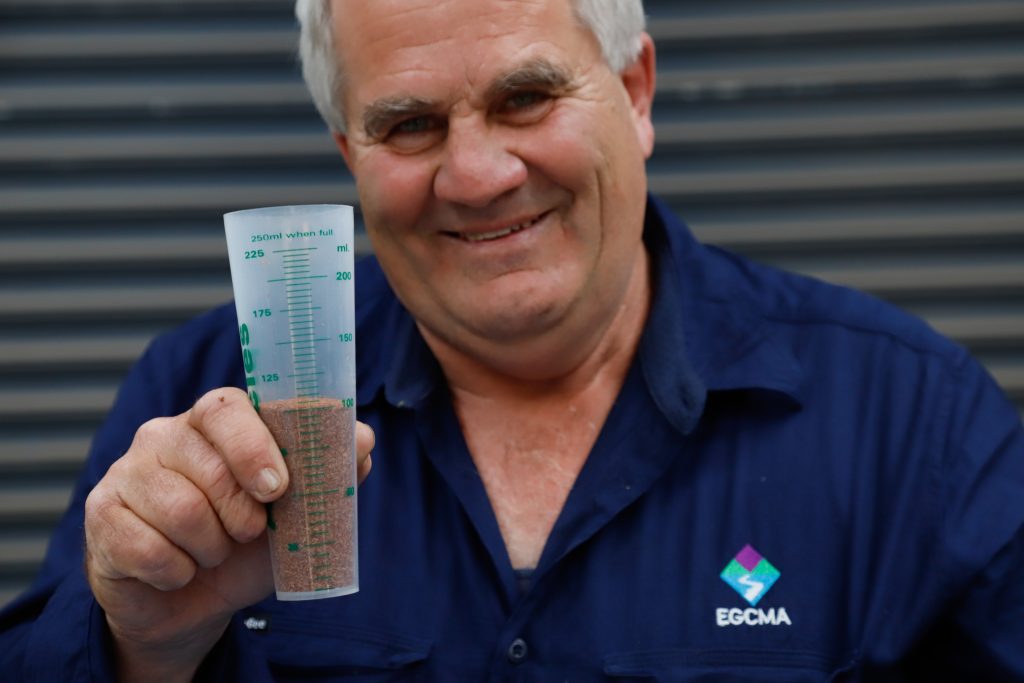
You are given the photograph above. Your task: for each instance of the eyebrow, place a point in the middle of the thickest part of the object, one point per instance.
(536, 74)
(539, 74)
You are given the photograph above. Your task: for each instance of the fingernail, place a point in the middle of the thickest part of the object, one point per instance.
(267, 482)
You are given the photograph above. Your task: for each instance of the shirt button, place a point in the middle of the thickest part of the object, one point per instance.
(517, 651)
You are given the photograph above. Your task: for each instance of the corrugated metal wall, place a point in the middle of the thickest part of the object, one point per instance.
(871, 143)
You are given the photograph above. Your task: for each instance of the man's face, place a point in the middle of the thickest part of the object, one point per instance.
(499, 162)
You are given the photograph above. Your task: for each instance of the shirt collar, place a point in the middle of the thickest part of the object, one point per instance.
(706, 333)
(703, 334)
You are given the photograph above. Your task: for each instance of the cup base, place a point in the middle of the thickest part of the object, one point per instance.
(317, 595)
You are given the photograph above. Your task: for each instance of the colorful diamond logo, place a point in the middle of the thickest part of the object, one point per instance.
(750, 575)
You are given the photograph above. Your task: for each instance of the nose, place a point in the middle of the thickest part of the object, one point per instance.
(477, 165)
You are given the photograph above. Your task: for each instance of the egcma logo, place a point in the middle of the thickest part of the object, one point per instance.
(750, 575)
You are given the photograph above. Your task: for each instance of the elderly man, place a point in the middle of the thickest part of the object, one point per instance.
(603, 451)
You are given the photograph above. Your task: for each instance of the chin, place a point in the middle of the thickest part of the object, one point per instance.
(520, 318)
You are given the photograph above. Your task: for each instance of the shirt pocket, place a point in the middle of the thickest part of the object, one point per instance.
(722, 666)
(314, 650)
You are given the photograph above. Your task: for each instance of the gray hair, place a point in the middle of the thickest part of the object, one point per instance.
(617, 25)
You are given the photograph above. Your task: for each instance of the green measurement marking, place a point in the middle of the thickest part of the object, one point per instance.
(319, 555)
(285, 251)
(297, 345)
(307, 374)
(350, 491)
(323, 578)
(316, 494)
(321, 567)
(293, 547)
(284, 452)
(296, 279)
(318, 532)
(320, 544)
(318, 522)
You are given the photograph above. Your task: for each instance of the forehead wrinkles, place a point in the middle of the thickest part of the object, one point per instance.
(373, 34)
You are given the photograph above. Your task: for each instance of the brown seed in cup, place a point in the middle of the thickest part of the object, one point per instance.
(312, 526)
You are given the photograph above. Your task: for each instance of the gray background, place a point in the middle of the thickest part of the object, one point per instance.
(876, 144)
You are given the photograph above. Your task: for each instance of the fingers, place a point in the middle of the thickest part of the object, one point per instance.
(121, 545)
(365, 440)
(174, 502)
(226, 419)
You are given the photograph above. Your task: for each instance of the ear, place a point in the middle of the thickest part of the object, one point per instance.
(638, 79)
(341, 142)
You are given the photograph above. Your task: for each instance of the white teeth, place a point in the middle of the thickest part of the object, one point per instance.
(485, 236)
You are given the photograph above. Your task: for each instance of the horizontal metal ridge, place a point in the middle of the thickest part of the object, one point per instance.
(153, 95)
(36, 501)
(22, 550)
(58, 402)
(43, 450)
(1010, 376)
(147, 39)
(815, 126)
(893, 279)
(771, 22)
(891, 176)
(84, 351)
(972, 329)
(182, 144)
(134, 248)
(760, 232)
(158, 7)
(169, 298)
(121, 197)
(732, 81)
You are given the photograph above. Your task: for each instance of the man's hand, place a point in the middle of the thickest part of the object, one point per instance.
(174, 532)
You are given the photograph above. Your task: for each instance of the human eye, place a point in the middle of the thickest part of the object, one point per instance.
(413, 134)
(417, 124)
(525, 99)
(525, 106)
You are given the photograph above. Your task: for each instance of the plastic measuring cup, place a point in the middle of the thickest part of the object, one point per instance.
(291, 271)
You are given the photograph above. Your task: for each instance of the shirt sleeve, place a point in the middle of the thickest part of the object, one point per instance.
(56, 631)
(983, 530)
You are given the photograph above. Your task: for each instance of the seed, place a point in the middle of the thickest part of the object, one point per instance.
(312, 527)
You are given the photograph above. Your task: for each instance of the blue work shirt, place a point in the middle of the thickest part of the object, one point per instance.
(796, 483)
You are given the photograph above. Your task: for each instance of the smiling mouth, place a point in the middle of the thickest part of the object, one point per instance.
(475, 237)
